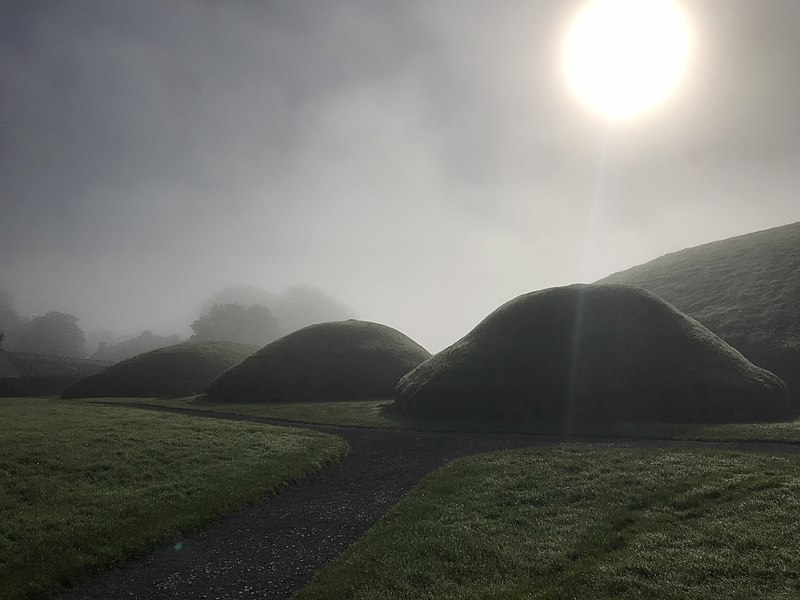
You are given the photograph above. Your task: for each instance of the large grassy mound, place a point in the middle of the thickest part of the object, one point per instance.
(745, 289)
(179, 370)
(341, 360)
(591, 352)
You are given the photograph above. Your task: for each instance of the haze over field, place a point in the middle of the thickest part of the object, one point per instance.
(422, 162)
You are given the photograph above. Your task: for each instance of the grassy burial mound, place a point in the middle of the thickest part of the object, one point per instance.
(591, 353)
(179, 370)
(745, 289)
(25, 374)
(341, 360)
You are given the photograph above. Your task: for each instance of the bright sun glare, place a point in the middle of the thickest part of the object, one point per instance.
(624, 57)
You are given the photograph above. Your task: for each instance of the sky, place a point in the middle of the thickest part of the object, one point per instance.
(423, 161)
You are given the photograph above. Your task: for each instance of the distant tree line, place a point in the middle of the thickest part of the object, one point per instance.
(254, 316)
(242, 314)
(252, 324)
(54, 333)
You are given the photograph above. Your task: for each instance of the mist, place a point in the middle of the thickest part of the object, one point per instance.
(420, 162)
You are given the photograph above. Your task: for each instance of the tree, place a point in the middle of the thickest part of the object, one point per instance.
(305, 305)
(252, 324)
(11, 323)
(55, 333)
(246, 295)
(297, 307)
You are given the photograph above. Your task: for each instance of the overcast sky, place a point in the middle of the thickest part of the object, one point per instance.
(422, 161)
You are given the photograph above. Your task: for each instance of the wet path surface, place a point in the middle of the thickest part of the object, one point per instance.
(273, 549)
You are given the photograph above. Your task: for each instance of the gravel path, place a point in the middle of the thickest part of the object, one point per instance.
(273, 549)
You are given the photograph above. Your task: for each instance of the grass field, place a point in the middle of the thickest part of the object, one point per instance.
(84, 486)
(371, 413)
(584, 523)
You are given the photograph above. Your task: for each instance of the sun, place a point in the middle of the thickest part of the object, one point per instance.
(623, 58)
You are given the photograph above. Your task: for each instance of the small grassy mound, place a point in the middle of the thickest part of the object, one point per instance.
(39, 365)
(47, 385)
(340, 360)
(84, 486)
(41, 375)
(745, 289)
(592, 353)
(593, 523)
(178, 370)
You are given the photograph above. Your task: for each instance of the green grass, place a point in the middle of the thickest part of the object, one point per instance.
(357, 413)
(744, 289)
(186, 368)
(336, 360)
(595, 352)
(594, 523)
(371, 413)
(83, 486)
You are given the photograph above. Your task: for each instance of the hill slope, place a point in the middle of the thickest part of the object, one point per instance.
(23, 374)
(340, 360)
(42, 365)
(144, 342)
(179, 370)
(588, 353)
(746, 289)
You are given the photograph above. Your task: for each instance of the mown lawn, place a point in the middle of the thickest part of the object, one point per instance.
(358, 413)
(83, 486)
(584, 523)
(372, 413)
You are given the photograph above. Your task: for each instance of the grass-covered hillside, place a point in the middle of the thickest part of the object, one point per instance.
(340, 360)
(591, 353)
(178, 370)
(745, 289)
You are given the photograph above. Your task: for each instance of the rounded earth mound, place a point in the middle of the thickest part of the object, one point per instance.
(745, 289)
(591, 353)
(179, 370)
(340, 360)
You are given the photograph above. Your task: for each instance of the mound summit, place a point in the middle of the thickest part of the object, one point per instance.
(591, 353)
(340, 360)
(179, 370)
(746, 289)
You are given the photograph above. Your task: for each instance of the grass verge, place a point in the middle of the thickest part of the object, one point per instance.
(584, 523)
(85, 486)
(372, 413)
